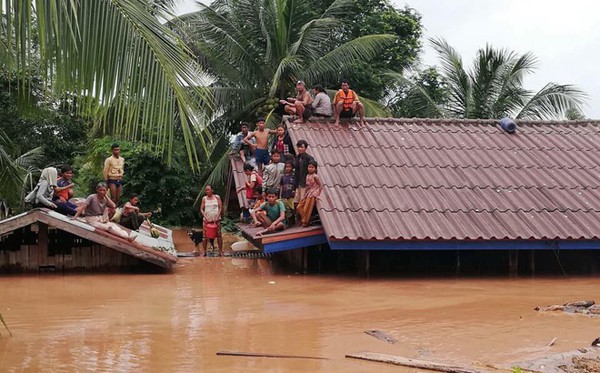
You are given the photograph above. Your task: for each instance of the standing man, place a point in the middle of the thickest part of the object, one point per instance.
(114, 169)
(346, 104)
(301, 105)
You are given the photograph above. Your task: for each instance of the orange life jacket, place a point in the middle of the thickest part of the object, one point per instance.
(348, 99)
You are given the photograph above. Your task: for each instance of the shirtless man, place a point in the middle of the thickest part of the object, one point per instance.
(261, 152)
(301, 105)
(346, 104)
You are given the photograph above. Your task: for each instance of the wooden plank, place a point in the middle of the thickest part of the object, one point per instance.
(34, 257)
(43, 244)
(16, 222)
(412, 363)
(262, 354)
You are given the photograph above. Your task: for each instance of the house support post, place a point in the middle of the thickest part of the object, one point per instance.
(513, 262)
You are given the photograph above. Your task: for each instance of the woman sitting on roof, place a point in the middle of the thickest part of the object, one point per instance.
(41, 195)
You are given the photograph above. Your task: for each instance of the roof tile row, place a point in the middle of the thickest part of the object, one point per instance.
(399, 179)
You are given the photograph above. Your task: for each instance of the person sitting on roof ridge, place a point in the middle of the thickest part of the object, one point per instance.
(63, 192)
(346, 104)
(301, 105)
(322, 103)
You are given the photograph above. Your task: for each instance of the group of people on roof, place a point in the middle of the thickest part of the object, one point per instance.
(54, 190)
(281, 183)
(346, 103)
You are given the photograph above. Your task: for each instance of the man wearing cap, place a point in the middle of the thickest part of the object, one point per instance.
(301, 105)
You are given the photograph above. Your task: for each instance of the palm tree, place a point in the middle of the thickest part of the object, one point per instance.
(116, 60)
(15, 172)
(493, 88)
(254, 50)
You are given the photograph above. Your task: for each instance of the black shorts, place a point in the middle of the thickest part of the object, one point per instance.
(307, 112)
(346, 113)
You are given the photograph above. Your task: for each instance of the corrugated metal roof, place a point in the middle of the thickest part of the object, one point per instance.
(426, 179)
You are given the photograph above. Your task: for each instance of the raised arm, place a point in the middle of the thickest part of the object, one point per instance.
(248, 138)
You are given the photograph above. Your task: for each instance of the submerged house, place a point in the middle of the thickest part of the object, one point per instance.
(44, 240)
(438, 184)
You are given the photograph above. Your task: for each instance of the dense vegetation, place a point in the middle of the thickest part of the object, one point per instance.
(172, 94)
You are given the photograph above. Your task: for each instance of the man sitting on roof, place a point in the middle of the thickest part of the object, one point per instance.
(274, 219)
(301, 105)
(346, 104)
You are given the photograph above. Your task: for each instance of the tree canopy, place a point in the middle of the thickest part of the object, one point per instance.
(113, 60)
(492, 88)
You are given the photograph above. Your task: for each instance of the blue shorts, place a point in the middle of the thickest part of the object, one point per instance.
(115, 182)
(262, 156)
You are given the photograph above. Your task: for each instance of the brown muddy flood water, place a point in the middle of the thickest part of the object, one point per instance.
(177, 322)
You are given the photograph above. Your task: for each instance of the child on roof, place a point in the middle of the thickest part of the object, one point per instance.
(287, 189)
(274, 218)
(313, 190)
(283, 144)
(253, 180)
(63, 192)
(301, 169)
(273, 172)
(259, 199)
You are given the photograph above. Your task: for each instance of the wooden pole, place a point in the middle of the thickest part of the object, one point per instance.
(42, 244)
(513, 262)
(413, 363)
(261, 354)
(228, 190)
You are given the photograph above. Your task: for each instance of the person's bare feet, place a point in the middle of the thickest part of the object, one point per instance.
(299, 121)
(131, 238)
(256, 224)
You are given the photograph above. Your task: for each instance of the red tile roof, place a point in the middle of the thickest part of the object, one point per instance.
(425, 179)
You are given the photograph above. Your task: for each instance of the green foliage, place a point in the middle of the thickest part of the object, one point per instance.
(407, 102)
(493, 88)
(59, 135)
(257, 49)
(517, 369)
(379, 17)
(140, 79)
(146, 174)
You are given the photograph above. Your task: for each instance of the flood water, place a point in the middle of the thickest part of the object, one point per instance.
(177, 322)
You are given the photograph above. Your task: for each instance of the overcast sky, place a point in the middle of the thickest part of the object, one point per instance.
(564, 36)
